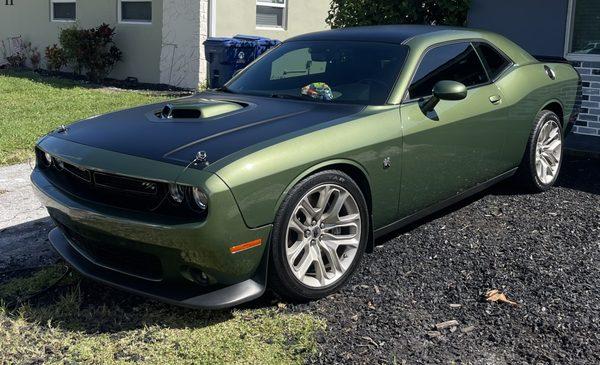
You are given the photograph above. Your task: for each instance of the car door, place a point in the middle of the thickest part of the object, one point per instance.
(457, 145)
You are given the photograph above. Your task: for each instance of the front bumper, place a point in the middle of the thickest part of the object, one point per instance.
(188, 264)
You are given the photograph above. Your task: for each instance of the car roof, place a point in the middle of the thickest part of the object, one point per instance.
(378, 33)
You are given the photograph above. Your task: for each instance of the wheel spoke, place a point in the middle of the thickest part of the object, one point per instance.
(307, 209)
(539, 168)
(339, 237)
(335, 243)
(553, 146)
(295, 250)
(332, 216)
(324, 196)
(305, 263)
(320, 270)
(553, 135)
(550, 158)
(332, 256)
(297, 226)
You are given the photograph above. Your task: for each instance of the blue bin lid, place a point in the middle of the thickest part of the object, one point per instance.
(240, 40)
(262, 41)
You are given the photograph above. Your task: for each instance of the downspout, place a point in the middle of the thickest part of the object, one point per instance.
(212, 18)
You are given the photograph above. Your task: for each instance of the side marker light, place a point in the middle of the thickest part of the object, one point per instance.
(245, 246)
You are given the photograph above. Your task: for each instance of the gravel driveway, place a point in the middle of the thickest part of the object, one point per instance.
(542, 250)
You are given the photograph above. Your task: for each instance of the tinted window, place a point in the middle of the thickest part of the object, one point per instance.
(456, 62)
(355, 72)
(64, 11)
(136, 11)
(495, 62)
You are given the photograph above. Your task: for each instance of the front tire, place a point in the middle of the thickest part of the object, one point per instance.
(319, 236)
(541, 164)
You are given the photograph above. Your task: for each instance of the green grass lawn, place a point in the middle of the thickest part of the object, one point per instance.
(80, 321)
(33, 105)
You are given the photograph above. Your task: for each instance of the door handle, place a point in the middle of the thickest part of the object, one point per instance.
(495, 99)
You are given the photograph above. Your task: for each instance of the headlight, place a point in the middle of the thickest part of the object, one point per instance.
(200, 198)
(47, 159)
(176, 192)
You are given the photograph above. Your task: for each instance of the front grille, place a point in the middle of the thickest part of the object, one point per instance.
(115, 190)
(126, 184)
(78, 172)
(122, 259)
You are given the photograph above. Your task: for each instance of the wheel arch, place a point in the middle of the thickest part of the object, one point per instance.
(556, 107)
(351, 168)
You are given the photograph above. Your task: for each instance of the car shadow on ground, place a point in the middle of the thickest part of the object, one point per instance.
(579, 173)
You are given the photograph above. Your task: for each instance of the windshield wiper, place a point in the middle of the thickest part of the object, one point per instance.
(225, 89)
(288, 96)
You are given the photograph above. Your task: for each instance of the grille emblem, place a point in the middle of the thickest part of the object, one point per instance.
(149, 186)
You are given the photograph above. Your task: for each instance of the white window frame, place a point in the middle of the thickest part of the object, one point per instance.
(52, 19)
(269, 4)
(568, 38)
(138, 22)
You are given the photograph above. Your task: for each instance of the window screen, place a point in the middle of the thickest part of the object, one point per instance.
(456, 62)
(495, 62)
(136, 11)
(270, 13)
(64, 11)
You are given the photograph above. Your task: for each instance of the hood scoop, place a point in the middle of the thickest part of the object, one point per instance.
(198, 110)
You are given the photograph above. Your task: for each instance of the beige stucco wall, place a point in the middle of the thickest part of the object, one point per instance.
(170, 49)
(140, 43)
(239, 17)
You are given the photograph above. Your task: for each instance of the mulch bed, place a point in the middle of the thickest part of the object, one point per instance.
(129, 84)
(541, 250)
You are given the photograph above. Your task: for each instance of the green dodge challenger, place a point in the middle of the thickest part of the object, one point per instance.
(287, 174)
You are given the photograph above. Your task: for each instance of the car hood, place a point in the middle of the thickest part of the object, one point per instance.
(215, 122)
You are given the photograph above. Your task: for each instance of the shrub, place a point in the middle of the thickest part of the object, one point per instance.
(33, 55)
(92, 50)
(350, 13)
(55, 58)
(16, 60)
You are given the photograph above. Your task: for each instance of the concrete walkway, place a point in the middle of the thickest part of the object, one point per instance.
(24, 222)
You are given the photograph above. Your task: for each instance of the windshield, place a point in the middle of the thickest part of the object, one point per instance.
(335, 72)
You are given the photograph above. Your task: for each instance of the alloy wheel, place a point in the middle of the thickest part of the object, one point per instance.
(548, 152)
(323, 235)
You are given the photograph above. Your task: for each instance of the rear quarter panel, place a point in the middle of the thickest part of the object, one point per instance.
(526, 91)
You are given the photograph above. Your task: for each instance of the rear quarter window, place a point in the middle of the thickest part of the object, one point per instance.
(494, 61)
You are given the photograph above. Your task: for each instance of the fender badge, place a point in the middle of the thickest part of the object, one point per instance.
(387, 162)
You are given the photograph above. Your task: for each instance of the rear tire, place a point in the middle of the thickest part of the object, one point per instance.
(319, 237)
(542, 161)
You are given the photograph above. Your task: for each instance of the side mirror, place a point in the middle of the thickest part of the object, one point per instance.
(444, 90)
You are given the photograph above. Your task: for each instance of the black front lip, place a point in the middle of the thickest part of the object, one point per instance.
(180, 294)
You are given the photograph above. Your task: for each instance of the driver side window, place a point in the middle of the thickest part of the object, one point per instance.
(455, 62)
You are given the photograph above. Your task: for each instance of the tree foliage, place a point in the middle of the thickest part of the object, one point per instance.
(351, 13)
